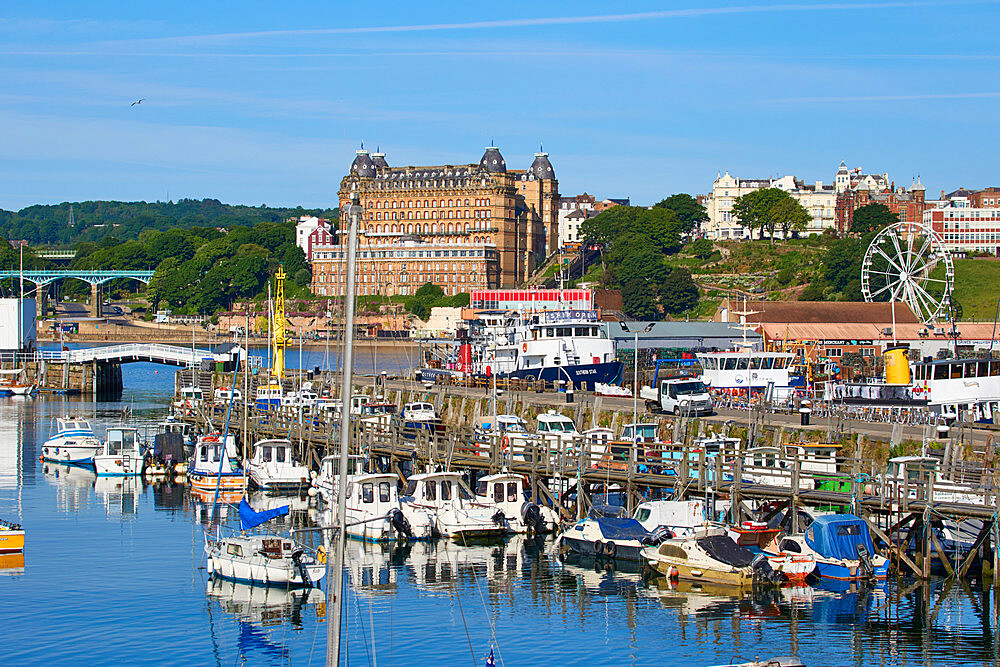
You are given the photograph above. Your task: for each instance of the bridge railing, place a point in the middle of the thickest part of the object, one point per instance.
(152, 351)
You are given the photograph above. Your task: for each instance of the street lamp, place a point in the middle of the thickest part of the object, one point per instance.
(635, 374)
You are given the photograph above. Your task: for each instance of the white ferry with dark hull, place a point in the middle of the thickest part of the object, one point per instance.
(567, 345)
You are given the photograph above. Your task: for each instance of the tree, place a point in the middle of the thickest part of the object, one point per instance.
(872, 218)
(789, 215)
(768, 209)
(678, 292)
(842, 262)
(701, 248)
(689, 212)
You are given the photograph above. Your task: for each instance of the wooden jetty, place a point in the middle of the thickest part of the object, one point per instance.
(564, 472)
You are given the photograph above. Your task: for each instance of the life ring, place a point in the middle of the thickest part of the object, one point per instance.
(505, 443)
(321, 555)
(524, 347)
(610, 549)
(211, 438)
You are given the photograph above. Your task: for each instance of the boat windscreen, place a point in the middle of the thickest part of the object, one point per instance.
(723, 548)
(621, 529)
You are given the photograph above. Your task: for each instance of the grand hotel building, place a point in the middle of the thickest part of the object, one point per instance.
(467, 227)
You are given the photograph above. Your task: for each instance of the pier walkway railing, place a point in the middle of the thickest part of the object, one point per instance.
(152, 352)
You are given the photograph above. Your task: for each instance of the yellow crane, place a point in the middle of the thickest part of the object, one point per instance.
(280, 341)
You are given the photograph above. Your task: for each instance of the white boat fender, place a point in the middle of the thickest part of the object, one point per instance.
(312, 491)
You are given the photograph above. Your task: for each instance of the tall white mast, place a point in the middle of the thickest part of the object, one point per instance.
(335, 598)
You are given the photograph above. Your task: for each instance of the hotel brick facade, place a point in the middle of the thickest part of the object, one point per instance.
(464, 227)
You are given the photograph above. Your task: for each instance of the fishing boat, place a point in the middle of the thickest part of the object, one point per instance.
(74, 442)
(842, 546)
(11, 537)
(273, 468)
(558, 431)
(375, 514)
(452, 505)
(190, 399)
(214, 466)
(606, 536)
(506, 493)
(269, 396)
(509, 432)
(376, 412)
(270, 560)
(121, 454)
(713, 558)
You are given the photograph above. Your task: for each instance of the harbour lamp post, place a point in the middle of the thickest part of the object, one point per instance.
(635, 375)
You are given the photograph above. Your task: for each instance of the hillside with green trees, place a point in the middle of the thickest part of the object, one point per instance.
(95, 220)
(636, 245)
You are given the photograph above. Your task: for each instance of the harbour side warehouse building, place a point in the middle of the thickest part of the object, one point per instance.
(463, 227)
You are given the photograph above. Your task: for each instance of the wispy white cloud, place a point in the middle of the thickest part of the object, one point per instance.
(694, 12)
(887, 98)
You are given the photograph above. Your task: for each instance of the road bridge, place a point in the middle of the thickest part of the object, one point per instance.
(43, 278)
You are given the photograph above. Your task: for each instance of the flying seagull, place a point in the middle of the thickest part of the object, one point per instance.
(138, 101)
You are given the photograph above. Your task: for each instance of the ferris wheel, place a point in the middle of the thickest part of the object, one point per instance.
(908, 262)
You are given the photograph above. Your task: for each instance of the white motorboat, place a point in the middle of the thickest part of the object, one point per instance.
(374, 511)
(509, 431)
(452, 505)
(682, 518)
(558, 432)
(225, 395)
(23, 389)
(910, 476)
(606, 537)
(506, 493)
(376, 412)
(261, 558)
(121, 454)
(74, 442)
(303, 398)
(273, 468)
(190, 399)
(214, 466)
(325, 482)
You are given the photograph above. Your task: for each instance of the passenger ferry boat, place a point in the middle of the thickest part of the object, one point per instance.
(964, 388)
(74, 442)
(568, 345)
(736, 371)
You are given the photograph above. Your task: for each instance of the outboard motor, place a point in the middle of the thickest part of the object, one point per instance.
(532, 517)
(657, 537)
(400, 524)
(297, 559)
(763, 572)
(865, 566)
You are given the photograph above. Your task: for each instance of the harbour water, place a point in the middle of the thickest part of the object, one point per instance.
(113, 573)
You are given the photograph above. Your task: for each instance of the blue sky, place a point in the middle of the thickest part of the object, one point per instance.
(265, 103)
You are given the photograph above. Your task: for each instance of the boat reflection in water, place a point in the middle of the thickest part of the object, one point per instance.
(73, 484)
(119, 494)
(12, 565)
(264, 605)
